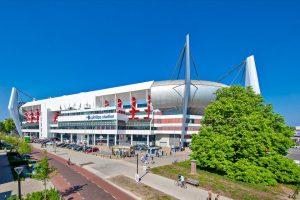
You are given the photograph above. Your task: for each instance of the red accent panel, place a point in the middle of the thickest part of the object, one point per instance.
(106, 103)
(120, 103)
(37, 115)
(55, 116)
(26, 116)
(197, 121)
(174, 120)
(194, 128)
(31, 116)
(134, 109)
(148, 110)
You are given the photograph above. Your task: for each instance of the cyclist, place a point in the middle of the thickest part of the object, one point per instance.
(181, 181)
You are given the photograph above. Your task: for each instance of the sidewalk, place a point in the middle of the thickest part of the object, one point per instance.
(9, 187)
(5, 176)
(106, 168)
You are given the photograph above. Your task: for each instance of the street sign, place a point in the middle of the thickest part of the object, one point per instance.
(18, 170)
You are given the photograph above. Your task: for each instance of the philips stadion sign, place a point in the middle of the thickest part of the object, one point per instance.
(92, 117)
(100, 117)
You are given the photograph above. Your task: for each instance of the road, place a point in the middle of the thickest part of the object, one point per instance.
(85, 183)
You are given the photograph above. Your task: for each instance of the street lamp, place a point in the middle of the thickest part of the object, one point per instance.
(19, 171)
(137, 177)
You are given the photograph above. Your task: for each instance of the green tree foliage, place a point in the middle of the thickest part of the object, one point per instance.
(43, 171)
(9, 125)
(24, 148)
(243, 138)
(17, 144)
(51, 194)
(2, 129)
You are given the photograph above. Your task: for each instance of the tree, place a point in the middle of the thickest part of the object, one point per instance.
(2, 129)
(9, 125)
(13, 141)
(243, 138)
(24, 148)
(43, 171)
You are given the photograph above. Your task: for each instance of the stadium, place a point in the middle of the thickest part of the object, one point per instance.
(162, 113)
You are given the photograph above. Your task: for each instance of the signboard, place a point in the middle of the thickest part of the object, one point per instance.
(100, 117)
(18, 170)
(91, 117)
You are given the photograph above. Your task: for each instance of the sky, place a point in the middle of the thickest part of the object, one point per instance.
(53, 48)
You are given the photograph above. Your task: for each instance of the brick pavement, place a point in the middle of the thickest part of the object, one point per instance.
(62, 185)
(89, 186)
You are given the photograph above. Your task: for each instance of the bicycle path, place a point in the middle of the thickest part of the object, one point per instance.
(106, 168)
(88, 185)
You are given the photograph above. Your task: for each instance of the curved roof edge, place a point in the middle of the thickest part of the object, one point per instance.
(107, 91)
(195, 82)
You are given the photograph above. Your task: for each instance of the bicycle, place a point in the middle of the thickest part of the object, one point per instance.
(179, 184)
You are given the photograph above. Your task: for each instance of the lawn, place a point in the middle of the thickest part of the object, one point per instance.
(225, 186)
(139, 189)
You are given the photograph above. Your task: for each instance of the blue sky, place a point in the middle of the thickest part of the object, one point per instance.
(52, 48)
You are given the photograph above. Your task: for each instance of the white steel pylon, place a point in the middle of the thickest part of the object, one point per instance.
(187, 88)
(13, 108)
(251, 78)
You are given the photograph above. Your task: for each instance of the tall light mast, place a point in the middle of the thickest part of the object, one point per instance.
(251, 78)
(187, 88)
(13, 109)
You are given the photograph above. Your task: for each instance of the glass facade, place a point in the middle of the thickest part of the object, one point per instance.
(89, 112)
(107, 124)
(30, 126)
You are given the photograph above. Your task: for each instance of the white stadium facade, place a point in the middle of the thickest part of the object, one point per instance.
(161, 113)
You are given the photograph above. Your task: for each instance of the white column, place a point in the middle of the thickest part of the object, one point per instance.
(61, 137)
(115, 139)
(94, 141)
(71, 137)
(131, 139)
(148, 140)
(251, 78)
(88, 139)
(107, 139)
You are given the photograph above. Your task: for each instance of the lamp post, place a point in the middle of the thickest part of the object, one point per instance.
(19, 171)
(137, 163)
(137, 177)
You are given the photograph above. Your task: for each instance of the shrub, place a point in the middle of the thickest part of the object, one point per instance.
(285, 170)
(246, 171)
(51, 194)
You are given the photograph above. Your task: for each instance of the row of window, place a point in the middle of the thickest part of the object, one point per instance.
(30, 126)
(107, 127)
(88, 127)
(87, 123)
(89, 112)
(102, 111)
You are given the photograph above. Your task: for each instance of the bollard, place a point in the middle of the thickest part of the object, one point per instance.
(193, 166)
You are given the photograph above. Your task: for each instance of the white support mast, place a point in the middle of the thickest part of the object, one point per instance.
(187, 84)
(13, 108)
(251, 78)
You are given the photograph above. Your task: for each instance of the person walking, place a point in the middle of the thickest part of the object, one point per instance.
(217, 197)
(209, 197)
(152, 159)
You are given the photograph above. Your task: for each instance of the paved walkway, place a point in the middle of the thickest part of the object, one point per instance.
(5, 176)
(82, 182)
(5, 173)
(9, 187)
(106, 168)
